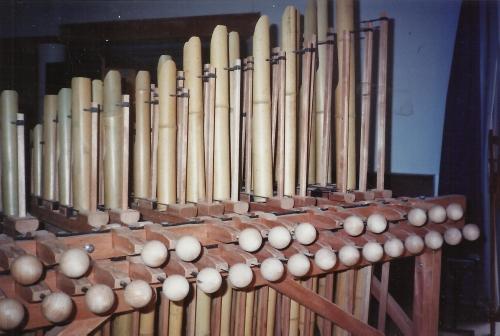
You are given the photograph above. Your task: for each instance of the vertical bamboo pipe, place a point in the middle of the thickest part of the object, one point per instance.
(49, 147)
(234, 112)
(113, 140)
(288, 40)
(8, 110)
(142, 143)
(21, 181)
(382, 102)
(209, 131)
(176, 318)
(344, 21)
(271, 311)
(37, 160)
(203, 312)
(80, 130)
(225, 316)
(167, 142)
(219, 60)
(261, 123)
(248, 110)
(154, 120)
(97, 98)
(122, 325)
(321, 87)
(195, 190)
(64, 141)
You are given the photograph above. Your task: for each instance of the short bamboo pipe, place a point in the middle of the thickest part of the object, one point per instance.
(49, 147)
(8, 134)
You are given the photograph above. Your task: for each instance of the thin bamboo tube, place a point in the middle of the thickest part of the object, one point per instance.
(225, 316)
(125, 150)
(249, 304)
(142, 144)
(209, 129)
(203, 309)
(271, 311)
(219, 60)
(365, 110)
(94, 158)
(344, 21)
(288, 40)
(64, 142)
(155, 117)
(32, 171)
(49, 146)
(8, 110)
(175, 319)
(37, 160)
(21, 183)
(167, 142)
(97, 98)
(280, 156)
(294, 319)
(248, 94)
(122, 325)
(382, 102)
(275, 87)
(113, 140)
(344, 157)
(235, 112)
(195, 189)
(261, 123)
(80, 130)
(183, 146)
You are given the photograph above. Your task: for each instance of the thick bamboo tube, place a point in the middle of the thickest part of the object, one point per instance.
(234, 112)
(382, 102)
(64, 143)
(344, 21)
(195, 190)
(261, 123)
(142, 144)
(225, 316)
(113, 140)
(247, 122)
(154, 120)
(176, 318)
(8, 110)
(21, 182)
(167, 124)
(122, 325)
(280, 142)
(49, 147)
(203, 308)
(147, 323)
(289, 47)
(97, 98)
(219, 60)
(37, 160)
(321, 87)
(249, 304)
(80, 130)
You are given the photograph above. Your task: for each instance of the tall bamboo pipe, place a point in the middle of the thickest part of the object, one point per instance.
(234, 114)
(21, 173)
(142, 144)
(289, 47)
(37, 160)
(113, 140)
(344, 21)
(195, 190)
(8, 134)
(219, 60)
(382, 102)
(97, 97)
(49, 147)
(80, 130)
(261, 123)
(167, 142)
(322, 17)
(64, 141)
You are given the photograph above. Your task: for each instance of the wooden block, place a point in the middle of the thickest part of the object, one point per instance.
(8, 251)
(238, 207)
(33, 293)
(48, 248)
(22, 225)
(210, 208)
(124, 216)
(176, 266)
(342, 197)
(364, 195)
(137, 270)
(382, 193)
(211, 258)
(72, 286)
(126, 241)
(182, 210)
(285, 203)
(234, 255)
(113, 274)
(303, 201)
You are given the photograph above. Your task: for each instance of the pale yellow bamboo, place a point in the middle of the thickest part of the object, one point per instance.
(219, 60)
(294, 318)
(176, 315)
(271, 311)
(321, 76)
(234, 112)
(154, 120)
(64, 142)
(37, 160)
(203, 309)
(167, 141)
(261, 123)
(147, 323)
(49, 146)
(113, 140)
(122, 325)
(195, 190)
(142, 143)
(80, 130)
(225, 316)
(382, 102)
(97, 98)
(21, 181)
(249, 304)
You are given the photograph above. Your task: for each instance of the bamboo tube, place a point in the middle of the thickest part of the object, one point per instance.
(154, 120)
(203, 308)
(49, 146)
(183, 107)
(8, 110)
(249, 304)
(180, 124)
(142, 144)
(321, 87)
(122, 325)
(147, 323)
(97, 98)
(37, 160)
(234, 112)
(261, 123)
(113, 140)
(345, 80)
(21, 183)
(125, 150)
(288, 40)
(294, 318)
(382, 102)
(209, 132)
(225, 316)
(64, 142)
(219, 60)
(167, 142)
(195, 190)
(280, 143)
(176, 318)
(271, 311)
(344, 21)
(80, 130)
(32, 172)
(248, 109)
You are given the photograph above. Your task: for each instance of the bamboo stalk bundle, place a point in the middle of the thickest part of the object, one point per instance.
(64, 143)
(49, 147)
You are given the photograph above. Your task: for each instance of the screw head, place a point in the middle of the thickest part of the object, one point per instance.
(89, 248)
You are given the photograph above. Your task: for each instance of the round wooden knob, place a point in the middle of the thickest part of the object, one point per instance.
(26, 269)
(325, 259)
(138, 294)
(353, 225)
(240, 275)
(99, 299)
(279, 237)
(188, 248)
(437, 214)
(175, 287)
(452, 236)
(414, 244)
(74, 263)
(57, 307)
(471, 232)
(394, 247)
(11, 314)
(417, 217)
(272, 269)
(298, 265)
(376, 223)
(433, 240)
(349, 255)
(250, 239)
(305, 233)
(372, 251)
(455, 211)
(154, 253)
(209, 280)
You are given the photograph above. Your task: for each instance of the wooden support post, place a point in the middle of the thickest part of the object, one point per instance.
(384, 292)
